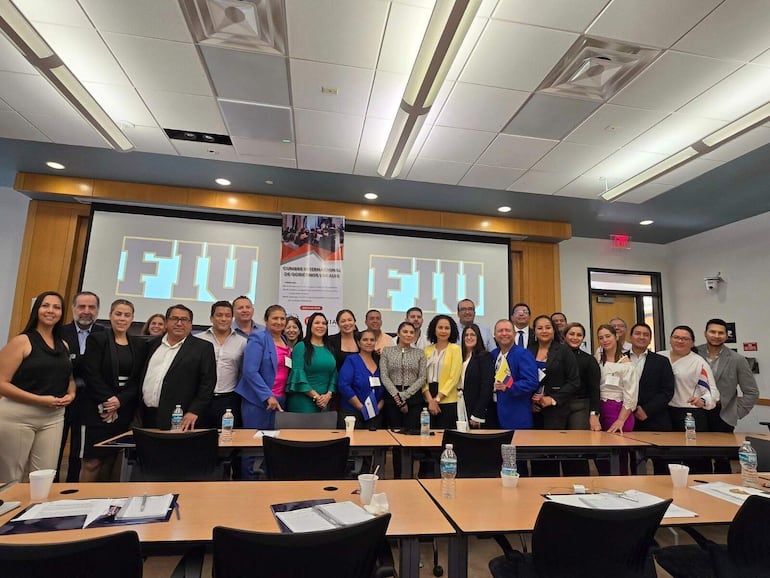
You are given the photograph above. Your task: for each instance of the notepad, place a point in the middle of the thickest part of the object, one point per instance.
(324, 516)
(627, 500)
(271, 433)
(154, 507)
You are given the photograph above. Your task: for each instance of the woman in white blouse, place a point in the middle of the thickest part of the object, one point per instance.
(619, 385)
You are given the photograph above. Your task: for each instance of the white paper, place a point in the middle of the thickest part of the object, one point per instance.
(271, 433)
(627, 500)
(304, 520)
(324, 517)
(91, 509)
(729, 492)
(345, 513)
(154, 507)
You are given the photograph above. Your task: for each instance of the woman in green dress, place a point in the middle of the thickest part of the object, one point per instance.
(313, 377)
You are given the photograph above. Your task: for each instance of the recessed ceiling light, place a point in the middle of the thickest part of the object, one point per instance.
(646, 222)
(223, 182)
(268, 182)
(370, 196)
(55, 165)
(504, 209)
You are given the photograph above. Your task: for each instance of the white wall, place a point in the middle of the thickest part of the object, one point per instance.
(13, 217)
(741, 252)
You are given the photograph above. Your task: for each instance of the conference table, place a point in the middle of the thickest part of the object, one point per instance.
(244, 505)
(533, 444)
(483, 506)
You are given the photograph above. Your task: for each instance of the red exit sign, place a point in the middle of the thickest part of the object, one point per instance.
(749, 346)
(620, 241)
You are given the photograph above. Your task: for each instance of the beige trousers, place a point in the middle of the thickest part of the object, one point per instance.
(30, 436)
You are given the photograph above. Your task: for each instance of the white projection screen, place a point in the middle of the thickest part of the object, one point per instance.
(156, 260)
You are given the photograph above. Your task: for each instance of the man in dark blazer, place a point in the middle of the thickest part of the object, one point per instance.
(85, 310)
(523, 334)
(180, 370)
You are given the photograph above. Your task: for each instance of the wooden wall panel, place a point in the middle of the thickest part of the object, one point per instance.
(536, 277)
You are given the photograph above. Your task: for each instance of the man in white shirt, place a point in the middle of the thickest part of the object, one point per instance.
(523, 335)
(243, 313)
(374, 324)
(414, 316)
(466, 315)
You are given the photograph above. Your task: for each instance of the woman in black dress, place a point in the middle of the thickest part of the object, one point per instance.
(478, 376)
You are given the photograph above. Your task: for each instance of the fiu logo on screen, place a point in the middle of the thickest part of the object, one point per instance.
(433, 285)
(186, 270)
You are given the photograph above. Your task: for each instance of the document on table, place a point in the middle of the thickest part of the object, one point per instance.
(91, 509)
(627, 500)
(271, 433)
(322, 517)
(729, 492)
(145, 507)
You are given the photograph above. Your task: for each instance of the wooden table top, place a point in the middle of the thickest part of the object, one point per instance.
(245, 505)
(532, 438)
(703, 439)
(483, 505)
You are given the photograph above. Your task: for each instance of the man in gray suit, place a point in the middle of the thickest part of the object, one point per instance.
(730, 370)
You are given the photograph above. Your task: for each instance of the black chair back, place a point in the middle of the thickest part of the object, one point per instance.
(297, 420)
(762, 447)
(748, 542)
(189, 456)
(478, 454)
(347, 552)
(574, 541)
(117, 556)
(295, 460)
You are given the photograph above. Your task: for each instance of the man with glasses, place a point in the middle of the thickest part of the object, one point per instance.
(466, 315)
(523, 336)
(180, 370)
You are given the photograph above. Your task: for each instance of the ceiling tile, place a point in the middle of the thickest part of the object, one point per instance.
(650, 22)
(674, 133)
(375, 134)
(263, 148)
(572, 159)
(551, 117)
(623, 165)
(743, 144)
(160, 64)
(540, 182)
(30, 93)
(184, 111)
(269, 161)
(435, 171)
(150, 139)
(344, 32)
(688, 171)
(515, 152)
(475, 31)
(582, 188)
(333, 160)
(3, 105)
(645, 193)
(149, 18)
(352, 84)
(367, 162)
(201, 150)
(490, 177)
(455, 144)
(480, 107)
(561, 14)
(69, 129)
(12, 60)
(258, 121)
(737, 29)
(121, 103)
(387, 92)
(673, 80)
(763, 59)
(739, 93)
(438, 104)
(327, 129)
(248, 76)
(64, 12)
(13, 125)
(614, 126)
(515, 56)
(403, 36)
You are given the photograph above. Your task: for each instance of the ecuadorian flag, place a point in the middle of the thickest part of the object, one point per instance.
(503, 373)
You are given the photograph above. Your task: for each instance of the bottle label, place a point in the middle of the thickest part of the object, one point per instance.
(227, 423)
(448, 467)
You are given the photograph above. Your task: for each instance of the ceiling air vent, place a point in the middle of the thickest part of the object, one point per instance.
(596, 69)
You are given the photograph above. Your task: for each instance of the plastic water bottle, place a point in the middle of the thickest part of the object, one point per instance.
(748, 458)
(689, 427)
(448, 472)
(508, 452)
(176, 418)
(228, 422)
(424, 422)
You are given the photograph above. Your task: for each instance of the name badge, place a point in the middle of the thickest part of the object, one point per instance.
(374, 381)
(540, 374)
(612, 380)
(287, 362)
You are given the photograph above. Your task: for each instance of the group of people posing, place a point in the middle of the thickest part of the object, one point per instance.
(97, 381)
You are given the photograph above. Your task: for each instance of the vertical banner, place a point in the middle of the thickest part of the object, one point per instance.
(311, 265)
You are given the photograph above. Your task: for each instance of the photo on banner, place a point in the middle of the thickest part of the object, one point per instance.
(312, 251)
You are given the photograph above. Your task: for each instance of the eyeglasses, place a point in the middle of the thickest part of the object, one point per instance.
(175, 319)
(680, 338)
(521, 311)
(461, 309)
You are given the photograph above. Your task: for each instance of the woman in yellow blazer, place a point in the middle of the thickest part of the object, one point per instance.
(444, 367)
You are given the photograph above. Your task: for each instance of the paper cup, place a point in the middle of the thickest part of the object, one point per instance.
(350, 424)
(40, 484)
(462, 425)
(679, 475)
(366, 485)
(509, 480)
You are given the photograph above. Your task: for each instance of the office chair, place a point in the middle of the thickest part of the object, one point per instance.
(478, 454)
(296, 420)
(746, 554)
(347, 552)
(117, 556)
(570, 541)
(189, 456)
(295, 460)
(762, 447)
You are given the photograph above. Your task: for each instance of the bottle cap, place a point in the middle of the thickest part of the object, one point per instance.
(449, 446)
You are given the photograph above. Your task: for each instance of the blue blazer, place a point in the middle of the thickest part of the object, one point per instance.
(514, 405)
(260, 364)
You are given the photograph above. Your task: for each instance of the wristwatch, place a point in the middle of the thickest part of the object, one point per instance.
(553, 401)
(596, 413)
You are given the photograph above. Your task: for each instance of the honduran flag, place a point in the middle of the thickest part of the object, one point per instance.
(703, 379)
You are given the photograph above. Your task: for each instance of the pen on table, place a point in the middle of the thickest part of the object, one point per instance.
(701, 481)
(144, 502)
(178, 511)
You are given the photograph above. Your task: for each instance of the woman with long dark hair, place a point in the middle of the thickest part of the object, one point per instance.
(36, 385)
(154, 326)
(444, 366)
(586, 405)
(619, 385)
(345, 342)
(313, 378)
(402, 371)
(113, 363)
(293, 331)
(478, 376)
